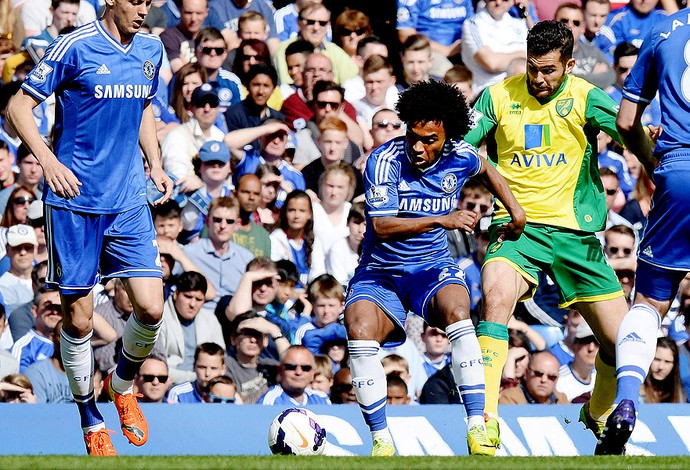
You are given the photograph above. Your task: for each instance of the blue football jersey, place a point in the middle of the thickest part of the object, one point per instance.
(628, 26)
(664, 65)
(440, 20)
(395, 187)
(101, 89)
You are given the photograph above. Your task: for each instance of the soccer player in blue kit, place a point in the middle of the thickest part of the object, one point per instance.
(412, 186)
(104, 76)
(664, 252)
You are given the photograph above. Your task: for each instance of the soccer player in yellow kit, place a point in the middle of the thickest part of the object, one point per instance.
(541, 131)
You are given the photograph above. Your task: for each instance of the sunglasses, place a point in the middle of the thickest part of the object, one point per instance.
(217, 220)
(293, 367)
(323, 24)
(483, 208)
(256, 57)
(348, 31)
(385, 123)
(614, 250)
(208, 50)
(217, 399)
(325, 104)
(148, 378)
(539, 374)
(611, 192)
(575, 23)
(23, 200)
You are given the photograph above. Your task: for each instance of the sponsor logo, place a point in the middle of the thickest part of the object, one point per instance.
(475, 117)
(149, 69)
(563, 107)
(447, 13)
(121, 91)
(304, 443)
(103, 70)
(403, 186)
(632, 337)
(377, 196)
(449, 183)
(495, 248)
(588, 218)
(470, 363)
(648, 252)
(436, 205)
(538, 160)
(403, 15)
(41, 72)
(515, 108)
(224, 95)
(359, 383)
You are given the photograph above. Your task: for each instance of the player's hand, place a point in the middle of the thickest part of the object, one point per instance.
(462, 219)
(513, 229)
(60, 179)
(163, 183)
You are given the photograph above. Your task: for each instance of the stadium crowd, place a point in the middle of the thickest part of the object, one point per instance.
(266, 114)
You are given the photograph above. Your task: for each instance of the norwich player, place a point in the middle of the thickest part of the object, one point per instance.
(541, 131)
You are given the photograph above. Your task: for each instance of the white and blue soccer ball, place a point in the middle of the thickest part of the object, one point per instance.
(296, 431)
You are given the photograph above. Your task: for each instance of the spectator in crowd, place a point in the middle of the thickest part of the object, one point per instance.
(221, 389)
(342, 391)
(34, 218)
(153, 380)
(16, 388)
(251, 373)
(337, 186)
(323, 375)
(179, 40)
(218, 258)
(562, 349)
(190, 77)
(64, 15)
(29, 176)
(250, 53)
(491, 40)
(614, 198)
(385, 126)
(36, 344)
(7, 176)
(295, 58)
(156, 21)
(313, 23)
(15, 284)
(291, 304)
(295, 374)
(615, 162)
(354, 87)
(48, 376)
(590, 63)
(576, 379)
(461, 78)
(436, 350)
(377, 74)
(476, 198)
(663, 384)
(416, 60)
(295, 241)
(183, 143)
(251, 235)
(225, 15)
(410, 370)
(539, 385)
(15, 212)
(8, 364)
(517, 361)
(22, 319)
(639, 204)
(7, 132)
(286, 19)
(208, 363)
(546, 9)
(596, 31)
(343, 256)
(350, 27)
(396, 390)
(273, 185)
(186, 325)
(632, 23)
(440, 389)
(213, 165)
(36, 15)
(211, 52)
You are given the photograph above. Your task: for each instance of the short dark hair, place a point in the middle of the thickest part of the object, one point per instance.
(548, 36)
(621, 229)
(287, 271)
(235, 323)
(168, 210)
(299, 47)
(212, 349)
(261, 69)
(325, 85)
(624, 49)
(366, 40)
(56, 3)
(207, 34)
(434, 101)
(190, 281)
(356, 213)
(606, 171)
(22, 152)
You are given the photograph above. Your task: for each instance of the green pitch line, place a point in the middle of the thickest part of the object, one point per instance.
(338, 463)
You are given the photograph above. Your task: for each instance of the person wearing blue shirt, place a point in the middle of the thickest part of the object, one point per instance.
(104, 76)
(664, 253)
(224, 16)
(412, 185)
(633, 22)
(295, 374)
(209, 362)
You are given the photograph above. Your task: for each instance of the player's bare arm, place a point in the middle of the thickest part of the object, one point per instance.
(149, 146)
(401, 227)
(59, 178)
(494, 182)
(634, 135)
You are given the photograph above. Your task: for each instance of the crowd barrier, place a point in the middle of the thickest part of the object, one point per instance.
(222, 429)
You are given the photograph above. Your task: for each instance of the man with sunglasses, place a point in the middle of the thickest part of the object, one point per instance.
(153, 380)
(590, 63)
(538, 387)
(538, 126)
(295, 374)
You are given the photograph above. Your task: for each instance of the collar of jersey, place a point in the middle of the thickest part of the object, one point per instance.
(447, 147)
(552, 97)
(111, 40)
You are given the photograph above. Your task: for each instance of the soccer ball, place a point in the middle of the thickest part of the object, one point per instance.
(296, 431)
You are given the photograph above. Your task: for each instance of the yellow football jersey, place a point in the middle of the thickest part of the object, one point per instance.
(546, 149)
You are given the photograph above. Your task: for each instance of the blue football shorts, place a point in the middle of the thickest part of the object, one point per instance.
(84, 248)
(664, 252)
(408, 287)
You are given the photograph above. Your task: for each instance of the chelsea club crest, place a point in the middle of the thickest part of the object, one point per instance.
(149, 70)
(449, 183)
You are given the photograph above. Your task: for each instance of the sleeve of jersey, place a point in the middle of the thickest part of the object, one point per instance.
(270, 20)
(159, 63)
(642, 81)
(58, 65)
(601, 112)
(408, 12)
(381, 182)
(482, 119)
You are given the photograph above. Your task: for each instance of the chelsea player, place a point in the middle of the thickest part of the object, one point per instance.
(104, 76)
(664, 255)
(412, 186)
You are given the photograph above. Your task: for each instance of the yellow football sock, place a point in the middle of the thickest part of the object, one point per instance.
(604, 393)
(493, 339)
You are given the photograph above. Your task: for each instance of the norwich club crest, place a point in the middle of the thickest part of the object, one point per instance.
(563, 107)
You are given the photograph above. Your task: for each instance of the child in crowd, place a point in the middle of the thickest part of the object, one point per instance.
(323, 378)
(222, 389)
(343, 257)
(209, 362)
(396, 390)
(437, 350)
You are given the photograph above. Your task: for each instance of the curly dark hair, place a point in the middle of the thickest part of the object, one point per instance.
(547, 36)
(434, 101)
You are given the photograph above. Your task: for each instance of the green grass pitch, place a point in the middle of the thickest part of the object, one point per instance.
(338, 463)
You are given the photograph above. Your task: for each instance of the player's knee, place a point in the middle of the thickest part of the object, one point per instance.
(77, 326)
(496, 309)
(150, 312)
